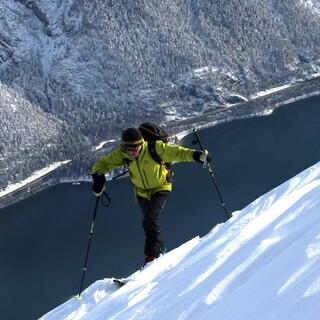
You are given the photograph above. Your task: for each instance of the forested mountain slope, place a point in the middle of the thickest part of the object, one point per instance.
(77, 72)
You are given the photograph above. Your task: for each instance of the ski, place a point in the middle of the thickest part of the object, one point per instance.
(120, 282)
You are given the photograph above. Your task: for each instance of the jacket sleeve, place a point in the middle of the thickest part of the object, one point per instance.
(109, 162)
(170, 152)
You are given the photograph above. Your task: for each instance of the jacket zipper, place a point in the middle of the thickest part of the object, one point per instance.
(141, 174)
(145, 176)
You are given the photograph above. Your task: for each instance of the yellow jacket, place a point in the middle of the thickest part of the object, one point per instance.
(146, 175)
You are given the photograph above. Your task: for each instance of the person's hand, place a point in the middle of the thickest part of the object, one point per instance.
(98, 185)
(202, 156)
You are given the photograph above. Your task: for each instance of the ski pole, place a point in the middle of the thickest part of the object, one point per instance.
(196, 139)
(89, 244)
(91, 231)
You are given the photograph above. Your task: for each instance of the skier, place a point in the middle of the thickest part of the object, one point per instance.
(151, 180)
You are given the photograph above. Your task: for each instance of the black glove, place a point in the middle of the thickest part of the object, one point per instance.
(98, 186)
(202, 156)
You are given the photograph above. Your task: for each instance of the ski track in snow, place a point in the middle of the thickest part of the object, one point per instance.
(261, 264)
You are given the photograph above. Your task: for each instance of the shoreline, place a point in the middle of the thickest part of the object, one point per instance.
(260, 105)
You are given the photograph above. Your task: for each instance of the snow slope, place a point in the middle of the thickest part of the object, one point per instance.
(261, 264)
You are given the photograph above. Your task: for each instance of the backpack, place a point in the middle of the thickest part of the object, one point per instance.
(151, 133)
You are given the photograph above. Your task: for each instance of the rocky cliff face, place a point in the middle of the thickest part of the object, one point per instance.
(83, 70)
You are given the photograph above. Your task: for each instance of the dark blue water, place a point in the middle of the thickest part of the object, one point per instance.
(43, 238)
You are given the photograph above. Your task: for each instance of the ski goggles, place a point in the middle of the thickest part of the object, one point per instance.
(132, 147)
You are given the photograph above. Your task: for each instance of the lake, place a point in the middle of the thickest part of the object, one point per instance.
(43, 238)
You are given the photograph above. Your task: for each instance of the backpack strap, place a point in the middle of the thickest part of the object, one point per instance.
(153, 152)
(126, 161)
(156, 158)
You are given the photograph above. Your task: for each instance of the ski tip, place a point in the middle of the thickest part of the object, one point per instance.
(119, 282)
(73, 297)
(78, 297)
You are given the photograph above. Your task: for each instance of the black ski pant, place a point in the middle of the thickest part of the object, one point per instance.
(151, 209)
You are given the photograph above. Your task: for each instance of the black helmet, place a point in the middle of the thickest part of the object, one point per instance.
(131, 136)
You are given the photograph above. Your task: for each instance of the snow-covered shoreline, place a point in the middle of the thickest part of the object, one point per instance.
(35, 176)
(270, 92)
(266, 112)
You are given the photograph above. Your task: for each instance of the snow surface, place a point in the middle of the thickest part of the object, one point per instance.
(262, 264)
(102, 144)
(313, 6)
(269, 91)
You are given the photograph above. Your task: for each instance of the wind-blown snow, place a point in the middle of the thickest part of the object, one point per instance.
(261, 264)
